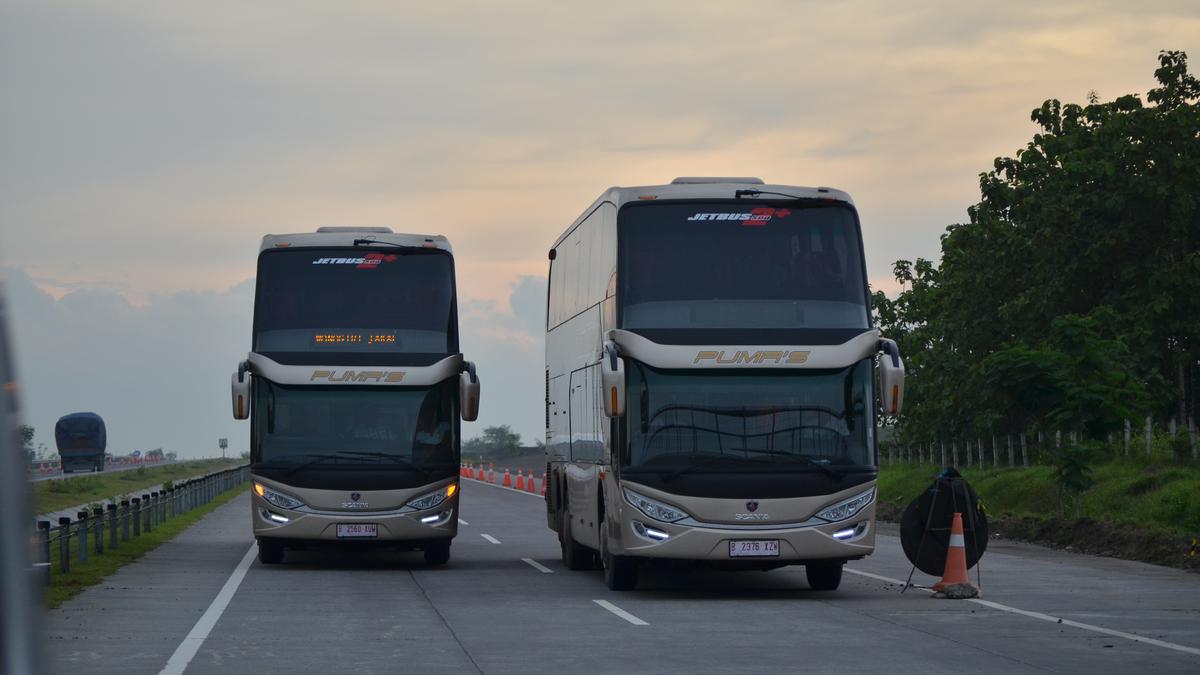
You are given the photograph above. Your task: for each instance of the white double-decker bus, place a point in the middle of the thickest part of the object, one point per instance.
(354, 387)
(711, 378)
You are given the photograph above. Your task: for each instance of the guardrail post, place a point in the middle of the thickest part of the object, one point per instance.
(98, 518)
(125, 520)
(64, 544)
(170, 505)
(82, 528)
(146, 513)
(112, 526)
(136, 512)
(44, 546)
(152, 513)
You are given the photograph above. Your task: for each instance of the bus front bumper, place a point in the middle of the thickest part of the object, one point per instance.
(440, 522)
(846, 540)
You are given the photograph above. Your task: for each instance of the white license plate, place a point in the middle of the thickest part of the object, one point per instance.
(350, 530)
(754, 548)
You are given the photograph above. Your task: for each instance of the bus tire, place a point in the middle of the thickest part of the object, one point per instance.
(575, 556)
(620, 572)
(437, 553)
(269, 552)
(825, 576)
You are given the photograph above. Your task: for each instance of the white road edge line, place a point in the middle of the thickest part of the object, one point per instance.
(1051, 619)
(187, 649)
(462, 522)
(537, 565)
(621, 613)
(490, 538)
(501, 487)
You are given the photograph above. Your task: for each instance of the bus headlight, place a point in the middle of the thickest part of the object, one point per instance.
(277, 498)
(432, 499)
(654, 509)
(848, 508)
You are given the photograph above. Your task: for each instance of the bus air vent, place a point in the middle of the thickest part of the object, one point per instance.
(700, 180)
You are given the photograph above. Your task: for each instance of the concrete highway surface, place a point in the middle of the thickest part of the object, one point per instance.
(505, 604)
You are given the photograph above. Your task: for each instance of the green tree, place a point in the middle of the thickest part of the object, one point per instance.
(25, 433)
(496, 441)
(1094, 223)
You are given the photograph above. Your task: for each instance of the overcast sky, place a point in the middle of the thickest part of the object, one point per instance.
(147, 149)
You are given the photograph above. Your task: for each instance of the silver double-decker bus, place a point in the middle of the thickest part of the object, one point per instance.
(714, 382)
(354, 386)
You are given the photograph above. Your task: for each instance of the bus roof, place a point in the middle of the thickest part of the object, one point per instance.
(706, 188)
(335, 237)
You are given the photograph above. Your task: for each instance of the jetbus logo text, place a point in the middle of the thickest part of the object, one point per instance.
(748, 358)
(755, 218)
(366, 262)
(358, 377)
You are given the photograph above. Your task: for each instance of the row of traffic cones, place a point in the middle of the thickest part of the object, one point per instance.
(521, 483)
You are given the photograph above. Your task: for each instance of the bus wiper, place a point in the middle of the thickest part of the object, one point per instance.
(738, 194)
(692, 467)
(360, 242)
(384, 455)
(804, 459)
(317, 459)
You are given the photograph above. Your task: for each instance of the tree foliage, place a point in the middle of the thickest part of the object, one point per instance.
(497, 441)
(1071, 298)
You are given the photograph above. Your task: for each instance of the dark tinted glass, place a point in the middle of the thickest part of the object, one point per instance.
(780, 420)
(342, 300)
(377, 427)
(723, 265)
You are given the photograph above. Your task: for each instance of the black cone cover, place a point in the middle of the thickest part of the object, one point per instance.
(925, 525)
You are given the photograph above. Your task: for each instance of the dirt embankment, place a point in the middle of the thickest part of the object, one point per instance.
(1085, 535)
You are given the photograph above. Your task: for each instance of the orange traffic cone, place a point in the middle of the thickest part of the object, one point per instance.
(491, 474)
(531, 486)
(507, 478)
(955, 582)
(543, 483)
(520, 481)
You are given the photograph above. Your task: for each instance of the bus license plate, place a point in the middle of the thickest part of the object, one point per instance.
(754, 548)
(351, 530)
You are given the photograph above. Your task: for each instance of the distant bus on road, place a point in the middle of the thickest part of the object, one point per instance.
(81, 440)
(711, 381)
(354, 387)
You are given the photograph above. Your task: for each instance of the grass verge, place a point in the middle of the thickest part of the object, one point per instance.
(55, 495)
(1140, 511)
(63, 587)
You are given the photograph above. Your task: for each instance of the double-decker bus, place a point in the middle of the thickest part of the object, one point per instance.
(354, 387)
(711, 381)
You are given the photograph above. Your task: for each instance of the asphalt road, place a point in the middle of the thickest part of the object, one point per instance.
(505, 604)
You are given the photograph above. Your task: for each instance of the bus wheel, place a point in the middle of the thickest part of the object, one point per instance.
(824, 576)
(574, 555)
(620, 572)
(438, 553)
(270, 552)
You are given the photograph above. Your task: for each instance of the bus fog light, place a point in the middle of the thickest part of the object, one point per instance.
(273, 517)
(851, 532)
(649, 532)
(844, 534)
(431, 519)
(438, 518)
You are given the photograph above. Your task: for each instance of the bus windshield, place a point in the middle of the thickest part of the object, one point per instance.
(765, 421)
(340, 300)
(376, 428)
(733, 265)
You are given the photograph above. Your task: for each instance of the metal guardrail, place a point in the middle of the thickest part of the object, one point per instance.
(127, 520)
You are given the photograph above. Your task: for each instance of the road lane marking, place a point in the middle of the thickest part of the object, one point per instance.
(462, 522)
(490, 538)
(187, 649)
(537, 566)
(1052, 619)
(621, 613)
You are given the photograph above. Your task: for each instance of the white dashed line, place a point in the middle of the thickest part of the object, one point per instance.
(537, 565)
(462, 522)
(621, 613)
(187, 649)
(1046, 617)
(490, 538)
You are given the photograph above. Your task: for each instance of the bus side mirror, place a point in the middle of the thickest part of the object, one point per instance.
(612, 381)
(468, 392)
(891, 377)
(240, 386)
